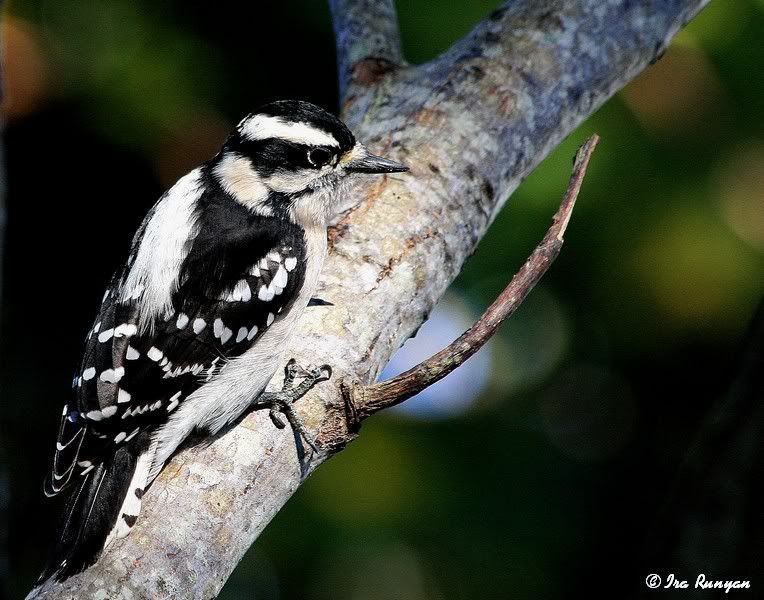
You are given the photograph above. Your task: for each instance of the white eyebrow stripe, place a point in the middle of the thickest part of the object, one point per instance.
(263, 127)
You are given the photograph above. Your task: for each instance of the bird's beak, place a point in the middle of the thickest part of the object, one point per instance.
(360, 160)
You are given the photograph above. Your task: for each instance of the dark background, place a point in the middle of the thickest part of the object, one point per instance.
(572, 457)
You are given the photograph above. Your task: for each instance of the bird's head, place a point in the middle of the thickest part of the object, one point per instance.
(290, 157)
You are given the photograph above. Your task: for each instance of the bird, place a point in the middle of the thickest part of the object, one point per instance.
(191, 330)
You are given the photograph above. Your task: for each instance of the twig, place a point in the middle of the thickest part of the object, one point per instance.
(365, 400)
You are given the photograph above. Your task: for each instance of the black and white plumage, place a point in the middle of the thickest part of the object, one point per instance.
(191, 330)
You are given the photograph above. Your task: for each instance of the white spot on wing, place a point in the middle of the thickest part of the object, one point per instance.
(240, 292)
(126, 329)
(173, 403)
(290, 263)
(270, 319)
(281, 277)
(109, 411)
(123, 396)
(225, 335)
(272, 287)
(199, 325)
(182, 321)
(244, 293)
(105, 335)
(109, 376)
(132, 353)
(241, 334)
(218, 327)
(154, 354)
(88, 373)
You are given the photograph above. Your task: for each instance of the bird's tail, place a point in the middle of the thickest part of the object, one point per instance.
(103, 507)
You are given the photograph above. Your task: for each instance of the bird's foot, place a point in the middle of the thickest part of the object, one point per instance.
(280, 403)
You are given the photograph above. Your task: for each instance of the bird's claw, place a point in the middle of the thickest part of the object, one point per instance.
(280, 403)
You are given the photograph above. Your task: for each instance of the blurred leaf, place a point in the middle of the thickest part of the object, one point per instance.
(697, 273)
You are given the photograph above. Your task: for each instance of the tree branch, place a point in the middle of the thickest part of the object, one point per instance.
(367, 40)
(471, 125)
(365, 400)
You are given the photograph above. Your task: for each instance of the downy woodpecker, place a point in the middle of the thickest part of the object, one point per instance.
(193, 327)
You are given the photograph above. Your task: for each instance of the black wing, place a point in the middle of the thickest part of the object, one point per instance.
(134, 375)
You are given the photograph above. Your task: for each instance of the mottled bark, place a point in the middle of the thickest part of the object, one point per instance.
(363, 30)
(471, 124)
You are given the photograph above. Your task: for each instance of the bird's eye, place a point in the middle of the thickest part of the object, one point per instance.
(318, 157)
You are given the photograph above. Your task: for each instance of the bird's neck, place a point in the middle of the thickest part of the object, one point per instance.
(315, 208)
